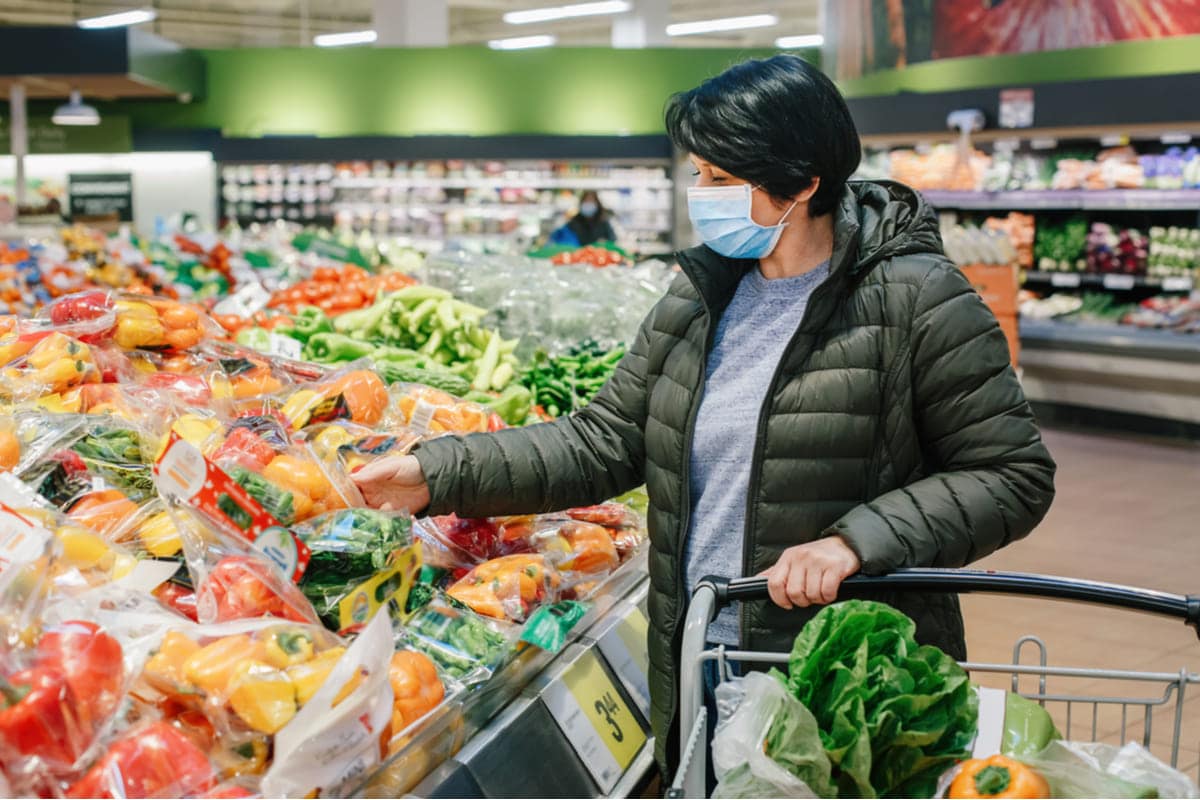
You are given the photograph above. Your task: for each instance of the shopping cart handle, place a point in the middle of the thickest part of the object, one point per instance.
(965, 581)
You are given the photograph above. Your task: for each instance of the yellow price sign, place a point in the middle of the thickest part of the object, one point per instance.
(594, 716)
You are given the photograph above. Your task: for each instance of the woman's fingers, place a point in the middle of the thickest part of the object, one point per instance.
(777, 584)
(829, 587)
(812, 586)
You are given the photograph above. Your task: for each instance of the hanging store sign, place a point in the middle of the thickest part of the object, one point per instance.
(112, 135)
(101, 194)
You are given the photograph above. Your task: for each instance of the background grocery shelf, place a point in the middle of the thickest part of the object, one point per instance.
(1071, 280)
(500, 183)
(1098, 200)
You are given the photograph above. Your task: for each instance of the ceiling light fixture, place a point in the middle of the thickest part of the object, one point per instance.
(75, 112)
(522, 42)
(120, 19)
(792, 42)
(345, 39)
(566, 12)
(723, 24)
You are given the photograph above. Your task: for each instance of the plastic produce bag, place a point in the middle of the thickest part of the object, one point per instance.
(767, 744)
(335, 740)
(359, 559)
(509, 587)
(466, 646)
(1028, 727)
(1096, 769)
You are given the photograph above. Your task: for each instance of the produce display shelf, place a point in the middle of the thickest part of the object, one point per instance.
(490, 741)
(1095, 200)
(1071, 280)
(494, 210)
(1118, 340)
(500, 183)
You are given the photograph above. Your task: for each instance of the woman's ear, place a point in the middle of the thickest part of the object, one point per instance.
(807, 194)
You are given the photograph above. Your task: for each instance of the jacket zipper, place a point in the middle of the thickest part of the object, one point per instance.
(756, 459)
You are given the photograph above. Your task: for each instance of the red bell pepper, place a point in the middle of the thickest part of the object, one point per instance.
(192, 390)
(178, 598)
(91, 662)
(154, 761)
(246, 448)
(37, 719)
(477, 537)
(81, 307)
(243, 587)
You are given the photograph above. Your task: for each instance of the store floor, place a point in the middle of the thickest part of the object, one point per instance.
(1127, 511)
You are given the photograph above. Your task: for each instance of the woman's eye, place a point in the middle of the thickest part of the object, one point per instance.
(696, 173)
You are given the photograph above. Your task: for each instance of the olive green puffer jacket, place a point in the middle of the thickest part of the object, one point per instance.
(894, 420)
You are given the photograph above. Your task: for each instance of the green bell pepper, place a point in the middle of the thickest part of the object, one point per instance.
(309, 322)
(255, 338)
(329, 348)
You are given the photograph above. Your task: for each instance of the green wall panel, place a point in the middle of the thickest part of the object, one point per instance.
(459, 90)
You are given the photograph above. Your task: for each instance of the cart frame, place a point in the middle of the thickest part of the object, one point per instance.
(712, 594)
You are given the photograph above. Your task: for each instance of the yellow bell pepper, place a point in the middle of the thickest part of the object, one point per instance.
(221, 386)
(138, 325)
(83, 549)
(213, 666)
(159, 536)
(309, 676)
(330, 439)
(57, 347)
(288, 646)
(234, 759)
(62, 403)
(58, 376)
(263, 696)
(166, 669)
(299, 406)
(13, 347)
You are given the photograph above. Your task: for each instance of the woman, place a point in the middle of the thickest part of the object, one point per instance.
(589, 226)
(820, 393)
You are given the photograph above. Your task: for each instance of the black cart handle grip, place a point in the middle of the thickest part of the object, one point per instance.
(965, 581)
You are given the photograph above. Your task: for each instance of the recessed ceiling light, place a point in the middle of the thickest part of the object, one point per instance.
(345, 39)
(120, 19)
(790, 42)
(566, 12)
(522, 42)
(723, 24)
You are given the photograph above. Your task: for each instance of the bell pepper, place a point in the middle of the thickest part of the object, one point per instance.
(91, 661)
(247, 449)
(242, 587)
(159, 536)
(289, 646)
(153, 761)
(298, 475)
(192, 390)
(138, 326)
(262, 696)
(81, 307)
(310, 675)
(255, 338)
(416, 688)
(235, 759)
(505, 587)
(330, 348)
(33, 717)
(310, 321)
(165, 670)
(365, 394)
(178, 598)
(212, 667)
(999, 777)
(592, 548)
(104, 511)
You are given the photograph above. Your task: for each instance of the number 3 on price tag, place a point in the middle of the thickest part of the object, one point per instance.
(596, 720)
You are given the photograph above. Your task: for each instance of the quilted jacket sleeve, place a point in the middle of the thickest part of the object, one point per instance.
(585, 458)
(991, 479)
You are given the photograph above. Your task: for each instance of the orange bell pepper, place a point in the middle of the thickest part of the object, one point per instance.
(998, 776)
(103, 512)
(506, 587)
(416, 688)
(593, 550)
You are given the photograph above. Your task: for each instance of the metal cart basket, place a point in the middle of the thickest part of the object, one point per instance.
(712, 594)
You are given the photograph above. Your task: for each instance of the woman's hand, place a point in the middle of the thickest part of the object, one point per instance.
(393, 483)
(810, 574)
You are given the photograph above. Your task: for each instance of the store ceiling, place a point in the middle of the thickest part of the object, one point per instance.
(289, 23)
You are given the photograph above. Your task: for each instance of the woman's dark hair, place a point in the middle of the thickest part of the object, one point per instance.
(601, 211)
(777, 122)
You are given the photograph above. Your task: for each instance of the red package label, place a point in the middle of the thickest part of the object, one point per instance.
(329, 410)
(184, 474)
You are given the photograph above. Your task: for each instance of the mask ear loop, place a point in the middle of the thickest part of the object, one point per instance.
(785, 214)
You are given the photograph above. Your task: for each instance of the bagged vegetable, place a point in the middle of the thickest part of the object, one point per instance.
(893, 715)
(466, 646)
(509, 587)
(1097, 769)
(767, 744)
(432, 412)
(359, 559)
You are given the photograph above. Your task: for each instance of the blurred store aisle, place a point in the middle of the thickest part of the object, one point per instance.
(1127, 511)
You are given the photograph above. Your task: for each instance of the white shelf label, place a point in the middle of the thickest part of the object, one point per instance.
(1119, 281)
(593, 716)
(286, 347)
(1064, 279)
(624, 648)
(245, 302)
(1177, 284)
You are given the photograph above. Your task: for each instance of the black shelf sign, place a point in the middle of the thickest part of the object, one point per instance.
(96, 195)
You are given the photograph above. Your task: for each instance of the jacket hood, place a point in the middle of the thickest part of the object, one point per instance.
(875, 221)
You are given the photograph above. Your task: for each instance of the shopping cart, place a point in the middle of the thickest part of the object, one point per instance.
(712, 594)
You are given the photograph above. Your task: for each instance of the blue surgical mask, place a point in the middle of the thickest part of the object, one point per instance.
(588, 208)
(721, 215)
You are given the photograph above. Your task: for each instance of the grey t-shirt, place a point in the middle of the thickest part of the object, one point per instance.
(750, 339)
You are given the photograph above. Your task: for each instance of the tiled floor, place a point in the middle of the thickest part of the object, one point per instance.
(1127, 511)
